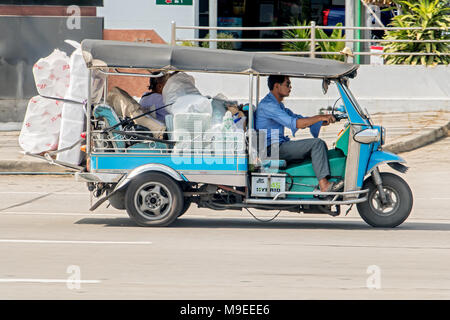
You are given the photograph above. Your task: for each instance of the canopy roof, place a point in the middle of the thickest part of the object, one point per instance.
(116, 54)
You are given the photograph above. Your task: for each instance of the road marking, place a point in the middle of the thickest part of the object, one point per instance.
(73, 242)
(93, 215)
(432, 198)
(42, 192)
(50, 281)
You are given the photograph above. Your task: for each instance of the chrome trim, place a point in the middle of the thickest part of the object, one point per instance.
(89, 115)
(146, 168)
(367, 136)
(229, 179)
(352, 163)
(319, 193)
(97, 177)
(312, 202)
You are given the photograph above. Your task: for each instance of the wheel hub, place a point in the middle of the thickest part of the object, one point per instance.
(385, 208)
(153, 201)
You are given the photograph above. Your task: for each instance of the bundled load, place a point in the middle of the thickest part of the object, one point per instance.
(42, 122)
(73, 114)
(56, 117)
(201, 122)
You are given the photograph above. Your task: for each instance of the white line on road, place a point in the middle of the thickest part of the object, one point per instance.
(42, 192)
(49, 281)
(92, 214)
(72, 242)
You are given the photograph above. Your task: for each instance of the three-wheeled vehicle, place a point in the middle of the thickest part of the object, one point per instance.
(156, 181)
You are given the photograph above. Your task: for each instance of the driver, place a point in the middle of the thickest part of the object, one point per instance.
(272, 116)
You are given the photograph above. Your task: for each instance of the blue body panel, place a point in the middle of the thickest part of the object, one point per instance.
(115, 161)
(378, 157)
(353, 115)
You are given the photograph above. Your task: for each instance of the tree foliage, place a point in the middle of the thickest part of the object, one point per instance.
(220, 45)
(424, 14)
(321, 46)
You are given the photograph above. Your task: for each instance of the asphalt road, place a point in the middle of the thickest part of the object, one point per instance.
(52, 247)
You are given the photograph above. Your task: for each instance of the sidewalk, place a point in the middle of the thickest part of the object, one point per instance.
(405, 132)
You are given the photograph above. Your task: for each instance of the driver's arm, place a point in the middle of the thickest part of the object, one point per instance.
(306, 122)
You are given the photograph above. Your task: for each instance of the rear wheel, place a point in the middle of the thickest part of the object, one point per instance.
(154, 199)
(186, 205)
(399, 202)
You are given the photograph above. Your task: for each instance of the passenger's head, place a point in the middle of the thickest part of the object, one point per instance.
(157, 83)
(279, 85)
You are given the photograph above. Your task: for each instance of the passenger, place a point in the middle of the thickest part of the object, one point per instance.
(153, 99)
(271, 114)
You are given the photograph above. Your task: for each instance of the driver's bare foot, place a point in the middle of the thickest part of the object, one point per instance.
(324, 185)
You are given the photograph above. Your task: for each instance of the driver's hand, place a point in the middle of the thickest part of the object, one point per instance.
(327, 119)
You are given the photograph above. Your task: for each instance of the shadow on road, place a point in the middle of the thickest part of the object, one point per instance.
(241, 223)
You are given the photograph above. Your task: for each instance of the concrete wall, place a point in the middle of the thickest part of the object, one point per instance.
(146, 14)
(24, 41)
(378, 88)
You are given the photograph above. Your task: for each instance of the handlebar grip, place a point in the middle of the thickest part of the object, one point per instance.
(339, 117)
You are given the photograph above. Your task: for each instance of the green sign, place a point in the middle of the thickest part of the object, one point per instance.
(175, 2)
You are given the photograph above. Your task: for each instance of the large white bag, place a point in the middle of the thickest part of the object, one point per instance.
(73, 114)
(192, 104)
(178, 85)
(52, 74)
(40, 129)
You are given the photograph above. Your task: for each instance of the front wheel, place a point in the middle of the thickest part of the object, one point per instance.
(154, 199)
(398, 208)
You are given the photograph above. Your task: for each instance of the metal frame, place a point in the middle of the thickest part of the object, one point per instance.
(312, 53)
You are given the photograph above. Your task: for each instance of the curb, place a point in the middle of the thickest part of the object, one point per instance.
(29, 167)
(420, 141)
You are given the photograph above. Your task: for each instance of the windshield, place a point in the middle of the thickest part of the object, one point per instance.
(354, 102)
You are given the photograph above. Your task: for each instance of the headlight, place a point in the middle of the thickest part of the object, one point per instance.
(383, 135)
(367, 136)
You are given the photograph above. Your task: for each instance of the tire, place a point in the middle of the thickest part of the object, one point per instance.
(154, 200)
(118, 200)
(392, 215)
(186, 205)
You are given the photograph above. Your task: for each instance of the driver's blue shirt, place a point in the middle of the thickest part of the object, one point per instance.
(273, 116)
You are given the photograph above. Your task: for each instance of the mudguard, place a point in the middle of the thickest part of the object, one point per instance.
(126, 179)
(151, 167)
(381, 157)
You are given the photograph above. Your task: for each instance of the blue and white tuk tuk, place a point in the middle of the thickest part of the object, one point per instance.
(156, 181)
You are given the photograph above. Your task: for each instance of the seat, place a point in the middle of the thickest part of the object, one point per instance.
(115, 142)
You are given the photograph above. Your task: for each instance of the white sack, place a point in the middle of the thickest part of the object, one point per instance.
(73, 115)
(41, 125)
(40, 129)
(52, 74)
(178, 85)
(192, 104)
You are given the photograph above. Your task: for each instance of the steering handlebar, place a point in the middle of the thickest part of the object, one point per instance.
(341, 116)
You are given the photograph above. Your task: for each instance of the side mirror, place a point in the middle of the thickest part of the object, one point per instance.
(367, 136)
(325, 84)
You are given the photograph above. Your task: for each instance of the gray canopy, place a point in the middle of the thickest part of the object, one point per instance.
(115, 54)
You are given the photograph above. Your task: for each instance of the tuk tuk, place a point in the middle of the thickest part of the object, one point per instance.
(156, 178)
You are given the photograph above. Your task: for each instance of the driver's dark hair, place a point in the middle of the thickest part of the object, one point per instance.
(275, 79)
(155, 80)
